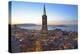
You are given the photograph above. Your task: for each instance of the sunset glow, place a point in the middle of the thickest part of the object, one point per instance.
(57, 14)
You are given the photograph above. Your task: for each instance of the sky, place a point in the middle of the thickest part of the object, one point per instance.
(57, 14)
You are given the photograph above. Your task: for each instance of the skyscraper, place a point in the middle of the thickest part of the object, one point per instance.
(44, 21)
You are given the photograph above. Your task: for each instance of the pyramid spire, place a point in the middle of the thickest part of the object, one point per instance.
(44, 12)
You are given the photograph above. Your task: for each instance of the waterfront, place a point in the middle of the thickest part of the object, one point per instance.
(52, 27)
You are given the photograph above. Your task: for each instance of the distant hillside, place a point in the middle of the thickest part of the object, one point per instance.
(63, 25)
(25, 24)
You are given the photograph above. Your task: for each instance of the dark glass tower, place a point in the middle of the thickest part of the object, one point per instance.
(44, 21)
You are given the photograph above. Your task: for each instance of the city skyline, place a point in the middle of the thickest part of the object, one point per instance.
(57, 14)
(42, 27)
